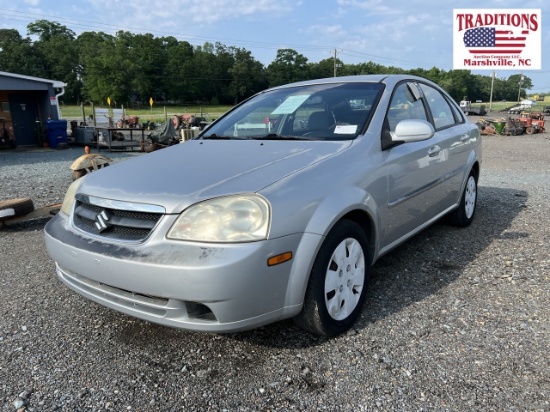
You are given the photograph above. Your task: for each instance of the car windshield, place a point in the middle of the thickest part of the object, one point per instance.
(335, 111)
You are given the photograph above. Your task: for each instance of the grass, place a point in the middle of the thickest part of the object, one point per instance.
(498, 106)
(163, 113)
(155, 114)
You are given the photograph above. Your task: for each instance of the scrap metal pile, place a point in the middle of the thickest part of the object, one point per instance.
(527, 122)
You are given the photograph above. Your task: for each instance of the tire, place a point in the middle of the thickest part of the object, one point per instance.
(77, 174)
(15, 207)
(464, 215)
(338, 282)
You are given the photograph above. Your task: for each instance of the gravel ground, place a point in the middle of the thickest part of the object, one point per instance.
(456, 319)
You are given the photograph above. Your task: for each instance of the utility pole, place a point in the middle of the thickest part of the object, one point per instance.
(520, 83)
(491, 97)
(336, 65)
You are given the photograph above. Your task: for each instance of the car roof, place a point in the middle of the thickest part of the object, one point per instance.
(388, 79)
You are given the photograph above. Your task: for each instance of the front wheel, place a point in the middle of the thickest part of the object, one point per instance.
(338, 282)
(464, 215)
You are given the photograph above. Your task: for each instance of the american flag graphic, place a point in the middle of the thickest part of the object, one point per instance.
(487, 40)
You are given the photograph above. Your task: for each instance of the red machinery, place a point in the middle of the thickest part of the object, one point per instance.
(533, 122)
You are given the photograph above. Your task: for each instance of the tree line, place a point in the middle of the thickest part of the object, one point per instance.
(131, 68)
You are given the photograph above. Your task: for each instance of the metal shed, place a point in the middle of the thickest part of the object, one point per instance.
(26, 104)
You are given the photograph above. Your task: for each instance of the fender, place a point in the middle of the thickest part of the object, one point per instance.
(346, 200)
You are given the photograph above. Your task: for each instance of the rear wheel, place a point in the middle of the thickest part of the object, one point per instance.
(338, 282)
(464, 215)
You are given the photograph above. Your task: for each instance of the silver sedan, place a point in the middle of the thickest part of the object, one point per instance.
(277, 210)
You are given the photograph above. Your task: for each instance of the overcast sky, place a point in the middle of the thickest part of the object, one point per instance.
(401, 33)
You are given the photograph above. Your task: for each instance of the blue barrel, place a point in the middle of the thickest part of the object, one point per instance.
(56, 131)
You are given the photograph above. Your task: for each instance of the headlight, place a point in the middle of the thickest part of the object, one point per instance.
(242, 218)
(68, 201)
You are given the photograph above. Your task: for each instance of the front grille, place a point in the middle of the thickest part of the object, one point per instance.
(115, 220)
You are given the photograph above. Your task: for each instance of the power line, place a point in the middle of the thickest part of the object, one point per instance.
(94, 26)
(196, 40)
(191, 38)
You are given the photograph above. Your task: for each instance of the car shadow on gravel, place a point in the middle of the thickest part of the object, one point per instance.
(411, 273)
(438, 256)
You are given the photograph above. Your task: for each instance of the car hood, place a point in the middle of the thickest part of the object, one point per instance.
(181, 175)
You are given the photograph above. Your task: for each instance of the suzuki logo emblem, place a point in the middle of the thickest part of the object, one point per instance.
(102, 221)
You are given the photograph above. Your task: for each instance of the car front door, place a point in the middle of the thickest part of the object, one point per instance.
(415, 170)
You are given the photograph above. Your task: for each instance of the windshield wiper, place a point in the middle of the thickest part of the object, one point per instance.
(214, 136)
(270, 136)
(275, 136)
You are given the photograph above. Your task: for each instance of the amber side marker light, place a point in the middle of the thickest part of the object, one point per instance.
(278, 259)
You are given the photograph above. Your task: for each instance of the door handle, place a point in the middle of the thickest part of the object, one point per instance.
(434, 151)
(465, 137)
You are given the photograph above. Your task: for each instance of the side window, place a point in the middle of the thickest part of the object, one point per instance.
(404, 105)
(439, 106)
(459, 114)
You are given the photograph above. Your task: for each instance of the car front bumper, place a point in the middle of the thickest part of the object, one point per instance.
(201, 287)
